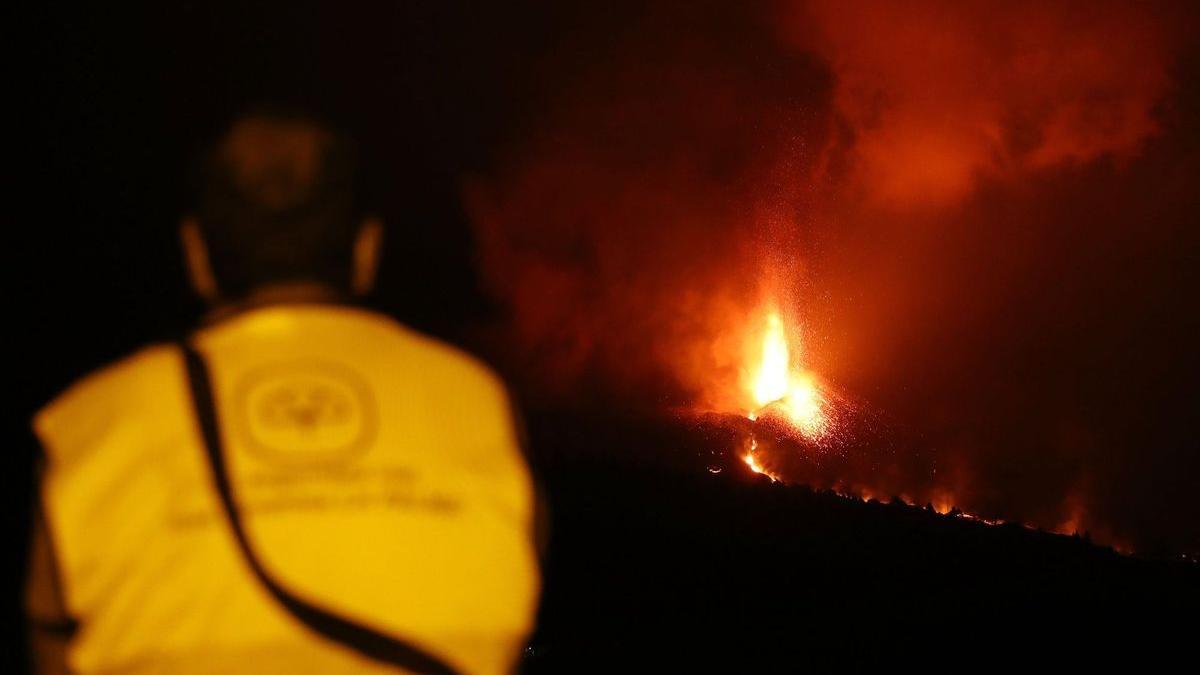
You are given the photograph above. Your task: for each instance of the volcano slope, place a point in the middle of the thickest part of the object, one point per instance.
(656, 562)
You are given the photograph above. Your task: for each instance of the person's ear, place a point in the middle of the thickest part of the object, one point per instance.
(195, 256)
(368, 245)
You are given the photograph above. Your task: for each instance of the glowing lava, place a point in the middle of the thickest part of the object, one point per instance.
(784, 395)
(771, 382)
(779, 384)
(751, 460)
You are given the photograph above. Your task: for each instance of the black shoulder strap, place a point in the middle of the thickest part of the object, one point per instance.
(365, 640)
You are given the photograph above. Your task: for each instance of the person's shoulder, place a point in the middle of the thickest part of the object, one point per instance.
(448, 361)
(442, 366)
(137, 379)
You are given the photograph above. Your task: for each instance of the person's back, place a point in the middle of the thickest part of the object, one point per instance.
(314, 476)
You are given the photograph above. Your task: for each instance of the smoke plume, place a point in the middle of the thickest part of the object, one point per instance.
(938, 94)
(966, 208)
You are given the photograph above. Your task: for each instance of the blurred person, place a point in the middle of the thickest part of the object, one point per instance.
(301, 485)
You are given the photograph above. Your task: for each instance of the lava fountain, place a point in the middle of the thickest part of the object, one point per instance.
(780, 385)
(791, 410)
(784, 392)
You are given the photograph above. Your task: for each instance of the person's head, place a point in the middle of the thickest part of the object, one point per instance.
(275, 204)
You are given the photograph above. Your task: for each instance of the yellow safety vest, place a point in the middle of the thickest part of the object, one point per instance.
(377, 473)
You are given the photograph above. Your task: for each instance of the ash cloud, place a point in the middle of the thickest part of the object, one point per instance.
(939, 94)
(979, 213)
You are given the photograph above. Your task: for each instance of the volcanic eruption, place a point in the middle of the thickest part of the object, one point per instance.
(784, 392)
(904, 250)
(804, 421)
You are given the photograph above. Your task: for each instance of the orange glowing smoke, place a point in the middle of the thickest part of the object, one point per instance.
(942, 93)
(623, 228)
(779, 384)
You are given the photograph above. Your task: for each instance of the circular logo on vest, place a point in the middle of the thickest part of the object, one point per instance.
(305, 411)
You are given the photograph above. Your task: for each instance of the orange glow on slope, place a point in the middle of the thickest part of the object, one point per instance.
(751, 461)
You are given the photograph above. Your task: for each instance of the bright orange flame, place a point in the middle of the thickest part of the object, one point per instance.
(943, 503)
(778, 383)
(805, 405)
(771, 382)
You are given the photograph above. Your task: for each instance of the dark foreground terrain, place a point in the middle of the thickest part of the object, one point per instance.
(657, 564)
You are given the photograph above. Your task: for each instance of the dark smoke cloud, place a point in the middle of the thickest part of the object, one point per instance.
(628, 233)
(978, 213)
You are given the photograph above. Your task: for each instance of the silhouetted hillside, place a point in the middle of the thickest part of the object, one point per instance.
(656, 562)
